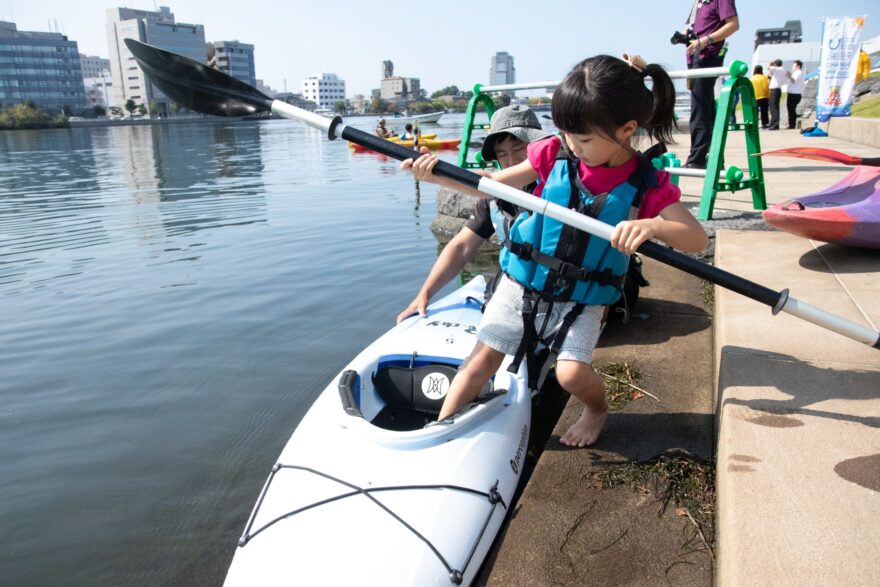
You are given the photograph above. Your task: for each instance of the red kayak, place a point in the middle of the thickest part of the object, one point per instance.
(847, 213)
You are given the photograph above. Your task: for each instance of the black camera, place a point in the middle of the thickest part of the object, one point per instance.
(683, 38)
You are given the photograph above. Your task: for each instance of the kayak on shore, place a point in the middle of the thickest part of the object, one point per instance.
(847, 213)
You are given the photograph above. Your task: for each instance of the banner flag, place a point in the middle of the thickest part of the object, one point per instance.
(839, 60)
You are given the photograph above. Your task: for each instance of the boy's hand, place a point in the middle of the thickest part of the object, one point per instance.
(423, 167)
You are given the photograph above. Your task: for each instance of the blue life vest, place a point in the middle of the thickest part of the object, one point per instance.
(562, 263)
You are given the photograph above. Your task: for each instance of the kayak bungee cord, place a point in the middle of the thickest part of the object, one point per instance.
(203, 89)
(455, 575)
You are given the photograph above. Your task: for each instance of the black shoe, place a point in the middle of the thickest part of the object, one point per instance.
(692, 165)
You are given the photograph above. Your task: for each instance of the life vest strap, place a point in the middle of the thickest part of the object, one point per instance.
(564, 269)
(558, 339)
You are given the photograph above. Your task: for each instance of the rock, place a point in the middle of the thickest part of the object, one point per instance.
(455, 204)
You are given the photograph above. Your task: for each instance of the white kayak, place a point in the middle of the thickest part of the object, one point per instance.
(365, 493)
(401, 121)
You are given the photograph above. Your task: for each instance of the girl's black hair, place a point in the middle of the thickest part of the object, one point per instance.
(603, 93)
(758, 70)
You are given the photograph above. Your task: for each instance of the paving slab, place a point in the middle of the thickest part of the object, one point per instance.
(567, 531)
(798, 464)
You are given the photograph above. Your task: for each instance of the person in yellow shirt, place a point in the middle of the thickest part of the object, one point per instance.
(761, 83)
(864, 68)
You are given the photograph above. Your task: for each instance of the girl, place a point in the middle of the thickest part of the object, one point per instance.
(561, 278)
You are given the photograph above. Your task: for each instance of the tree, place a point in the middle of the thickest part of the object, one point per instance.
(154, 107)
(66, 110)
(423, 94)
(339, 106)
(376, 104)
(142, 109)
(99, 111)
(130, 106)
(447, 91)
(501, 101)
(175, 108)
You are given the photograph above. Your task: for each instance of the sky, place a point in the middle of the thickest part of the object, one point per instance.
(442, 43)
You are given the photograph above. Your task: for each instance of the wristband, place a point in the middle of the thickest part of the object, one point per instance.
(708, 39)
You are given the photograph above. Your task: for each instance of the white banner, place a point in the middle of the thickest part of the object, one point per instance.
(841, 39)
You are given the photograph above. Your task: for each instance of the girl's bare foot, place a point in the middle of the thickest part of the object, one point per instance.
(586, 430)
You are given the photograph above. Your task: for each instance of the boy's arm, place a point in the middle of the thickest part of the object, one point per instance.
(422, 168)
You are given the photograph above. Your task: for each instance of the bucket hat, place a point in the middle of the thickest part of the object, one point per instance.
(518, 121)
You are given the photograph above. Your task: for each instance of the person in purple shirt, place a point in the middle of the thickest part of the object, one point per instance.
(710, 22)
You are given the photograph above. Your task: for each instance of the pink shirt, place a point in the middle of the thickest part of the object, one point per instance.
(542, 156)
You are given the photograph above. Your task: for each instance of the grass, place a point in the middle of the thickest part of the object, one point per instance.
(707, 293)
(680, 480)
(620, 384)
(867, 108)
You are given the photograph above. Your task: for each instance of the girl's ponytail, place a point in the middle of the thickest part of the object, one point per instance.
(661, 122)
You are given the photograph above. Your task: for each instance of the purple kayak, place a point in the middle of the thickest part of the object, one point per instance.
(847, 213)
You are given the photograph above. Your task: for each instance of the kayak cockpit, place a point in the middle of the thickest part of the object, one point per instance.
(401, 393)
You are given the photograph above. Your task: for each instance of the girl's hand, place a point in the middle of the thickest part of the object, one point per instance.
(629, 234)
(423, 167)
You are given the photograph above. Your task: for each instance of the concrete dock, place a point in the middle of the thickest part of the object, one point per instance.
(788, 412)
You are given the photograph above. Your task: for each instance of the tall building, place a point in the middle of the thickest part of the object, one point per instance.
(234, 58)
(156, 28)
(502, 70)
(42, 67)
(324, 89)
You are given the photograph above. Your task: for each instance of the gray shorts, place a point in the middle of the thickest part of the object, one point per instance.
(502, 325)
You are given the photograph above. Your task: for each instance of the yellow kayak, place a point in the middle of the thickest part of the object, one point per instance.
(433, 144)
(421, 137)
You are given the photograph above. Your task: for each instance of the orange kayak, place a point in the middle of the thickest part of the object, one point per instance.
(433, 144)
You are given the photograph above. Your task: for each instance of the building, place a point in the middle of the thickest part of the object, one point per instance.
(234, 58)
(99, 91)
(97, 81)
(324, 89)
(296, 100)
(93, 66)
(790, 33)
(156, 28)
(359, 104)
(41, 67)
(807, 53)
(399, 88)
(502, 70)
(266, 89)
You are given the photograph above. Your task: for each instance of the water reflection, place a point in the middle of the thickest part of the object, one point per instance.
(62, 192)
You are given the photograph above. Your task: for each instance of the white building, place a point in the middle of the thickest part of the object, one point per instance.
(158, 29)
(324, 89)
(99, 91)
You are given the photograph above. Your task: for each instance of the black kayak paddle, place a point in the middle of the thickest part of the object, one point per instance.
(203, 89)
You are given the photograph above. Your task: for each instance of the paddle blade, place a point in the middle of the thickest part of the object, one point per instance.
(816, 154)
(195, 85)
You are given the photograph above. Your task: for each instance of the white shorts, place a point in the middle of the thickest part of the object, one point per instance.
(502, 325)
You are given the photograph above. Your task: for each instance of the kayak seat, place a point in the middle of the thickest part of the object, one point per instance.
(413, 396)
(421, 389)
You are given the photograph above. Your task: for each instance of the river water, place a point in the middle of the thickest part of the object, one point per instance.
(172, 299)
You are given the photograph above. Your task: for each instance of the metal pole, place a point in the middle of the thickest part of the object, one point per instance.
(679, 74)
